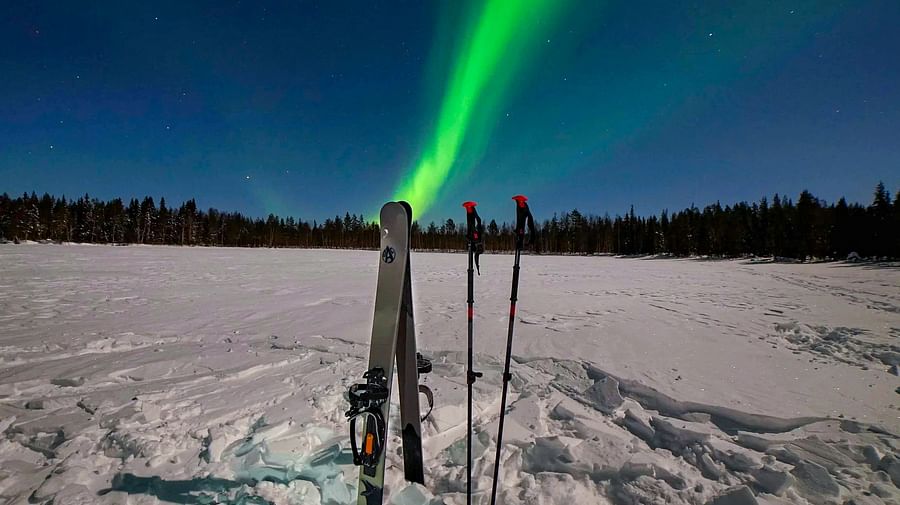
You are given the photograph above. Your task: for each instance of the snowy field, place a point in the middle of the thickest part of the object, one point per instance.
(145, 375)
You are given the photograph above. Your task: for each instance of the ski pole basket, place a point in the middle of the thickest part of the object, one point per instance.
(366, 400)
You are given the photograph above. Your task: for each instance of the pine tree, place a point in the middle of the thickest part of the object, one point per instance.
(62, 228)
(880, 212)
(840, 234)
(147, 221)
(812, 228)
(895, 226)
(805, 225)
(492, 238)
(161, 231)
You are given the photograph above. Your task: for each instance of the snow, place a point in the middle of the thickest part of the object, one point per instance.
(201, 375)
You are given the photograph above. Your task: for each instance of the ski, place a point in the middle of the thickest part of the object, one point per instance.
(523, 218)
(370, 401)
(409, 365)
(393, 337)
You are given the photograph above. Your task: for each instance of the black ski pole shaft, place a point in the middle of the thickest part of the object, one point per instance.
(470, 375)
(475, 242)
(506, 375)
(523, 217)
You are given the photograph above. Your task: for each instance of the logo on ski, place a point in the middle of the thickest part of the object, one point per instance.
(388, 254)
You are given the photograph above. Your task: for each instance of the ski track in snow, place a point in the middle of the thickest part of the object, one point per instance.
(146, 375)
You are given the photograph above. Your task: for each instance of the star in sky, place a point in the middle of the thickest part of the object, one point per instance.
(347, 96)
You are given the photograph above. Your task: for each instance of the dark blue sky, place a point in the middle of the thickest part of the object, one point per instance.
(314, 109)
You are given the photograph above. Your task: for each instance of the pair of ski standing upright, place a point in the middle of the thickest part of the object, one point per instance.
(393, 336)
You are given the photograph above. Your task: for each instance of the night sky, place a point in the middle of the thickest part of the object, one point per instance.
(317, 108)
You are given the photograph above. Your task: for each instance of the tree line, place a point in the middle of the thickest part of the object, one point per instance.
(809, 228)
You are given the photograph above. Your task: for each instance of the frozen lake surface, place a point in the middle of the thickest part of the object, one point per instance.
(201, 375)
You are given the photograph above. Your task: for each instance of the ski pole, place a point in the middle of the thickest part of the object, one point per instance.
(523, 218)
(475, 242)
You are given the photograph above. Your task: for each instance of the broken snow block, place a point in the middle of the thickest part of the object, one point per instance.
(889, 358)
(410, 495)
(735, 496)
(674, 481)
(754, 442)
(68, 382)
(873, 457)
(552, 454)
(737, 461)
(562, 413)
(696, 417)
(784, 455)
(46, 442)
(35, 404)
(851, 426)
(865, 500)
(638, 427)
(709, 468)
(813, 479)
(676, 438)
(773, 481)
(891, 465)
(604, 395)
(631, 471)
(881, 490)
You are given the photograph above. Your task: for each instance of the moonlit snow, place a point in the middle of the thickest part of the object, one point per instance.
(142, 375)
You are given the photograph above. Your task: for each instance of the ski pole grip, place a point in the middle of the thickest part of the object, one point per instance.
(473, 220)
(522, 213)
(523, 219)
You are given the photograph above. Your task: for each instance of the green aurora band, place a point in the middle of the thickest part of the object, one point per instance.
(501, 37)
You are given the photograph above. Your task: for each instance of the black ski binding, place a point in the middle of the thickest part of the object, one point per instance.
(423, 364)
(429, 395)
(366, 400)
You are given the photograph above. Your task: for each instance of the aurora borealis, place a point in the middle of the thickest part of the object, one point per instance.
(316, 108)
(499, 41)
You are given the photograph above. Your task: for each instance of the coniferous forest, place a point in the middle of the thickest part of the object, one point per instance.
(806, 229)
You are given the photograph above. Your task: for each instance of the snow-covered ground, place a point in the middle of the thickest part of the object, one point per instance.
(199, 375)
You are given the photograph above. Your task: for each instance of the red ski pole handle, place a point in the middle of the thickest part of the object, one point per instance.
(474, 232)
(473, 220)
(523, 219)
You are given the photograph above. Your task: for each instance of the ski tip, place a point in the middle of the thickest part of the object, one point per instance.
(520, 199)
(470, 206)
(409, 213)
(394, 204)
